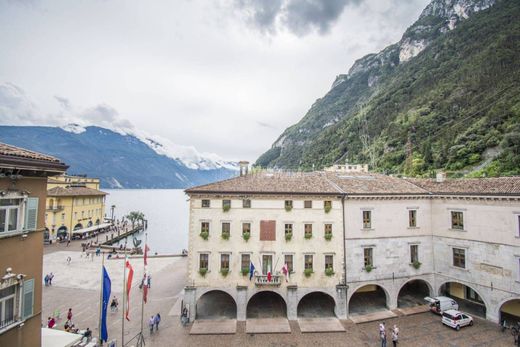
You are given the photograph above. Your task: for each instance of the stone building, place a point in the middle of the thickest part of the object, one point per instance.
(23, 187)
(394, 242)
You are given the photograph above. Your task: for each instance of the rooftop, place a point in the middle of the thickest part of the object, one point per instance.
(471, 186)
(16, 158)
(74, 191)
(13, 151)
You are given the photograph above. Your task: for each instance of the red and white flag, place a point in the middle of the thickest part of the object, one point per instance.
(128, 287)
(145, 289)
(146, 249)
(269, 276)
(285, 271)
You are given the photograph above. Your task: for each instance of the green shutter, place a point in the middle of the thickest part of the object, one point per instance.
(28, 298)
(31, 214)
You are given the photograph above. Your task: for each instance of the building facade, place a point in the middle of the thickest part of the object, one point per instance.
(394, 241)
(74, 203)
(23, 187)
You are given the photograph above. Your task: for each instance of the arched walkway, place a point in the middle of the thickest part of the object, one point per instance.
(62, 231)
(89, 224)
(216, 304)
(468, 299)
(316, 304)
(78, 226)
(266, 304)
(368, 299)
(413, 292)
(510, 311)
(97, 221)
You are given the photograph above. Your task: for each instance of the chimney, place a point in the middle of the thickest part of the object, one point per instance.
(441, 177)
(244, 168)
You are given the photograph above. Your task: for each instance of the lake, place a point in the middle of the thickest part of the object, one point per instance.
(167, 212)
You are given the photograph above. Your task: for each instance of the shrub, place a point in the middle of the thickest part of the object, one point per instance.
(288, 236)
(245, 272)
(416, 264)
(329, 271)
(204, 235)
(288, 208)
(308, 236)
(225, 235)
(226, 208)
(224, 272)
(328, 237)
(307, 272)
(246, 235)
(327, 208)
(203, 271)
(368, 268)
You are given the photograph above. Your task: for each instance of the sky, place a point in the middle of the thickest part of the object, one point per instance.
(225, 76)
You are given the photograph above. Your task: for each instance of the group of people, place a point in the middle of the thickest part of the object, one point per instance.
(48, 279)
(382, 334)
(153, 323)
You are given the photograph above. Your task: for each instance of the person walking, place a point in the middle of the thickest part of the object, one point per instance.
(151, 324)
(114, 304)
(395, 337)
(382, 334)
(51, 322)
(68, 242)
(157, 320)
(69, 314)
(51, 276)
(149, 281)
(46, 280)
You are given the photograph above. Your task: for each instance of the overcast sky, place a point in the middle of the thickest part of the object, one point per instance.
(225, 76)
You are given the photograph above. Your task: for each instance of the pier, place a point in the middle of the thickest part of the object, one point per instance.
(123, 235)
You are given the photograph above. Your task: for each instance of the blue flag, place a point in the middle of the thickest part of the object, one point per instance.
(251, 270)
(107, 284)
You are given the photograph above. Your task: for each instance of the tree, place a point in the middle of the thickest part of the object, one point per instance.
(135, 217)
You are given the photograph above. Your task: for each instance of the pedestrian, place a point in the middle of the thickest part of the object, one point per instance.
(114, 304)
(69, 259)
(157, 320)
(51, 276)
(149, 281)
(396, 329)
(87, 334)
(69, 314)
(68, 242)
(98, 250)
(395, 337)
(184, 316)
(151, 324)
(382, 335)
(51, 322)
(46, 279)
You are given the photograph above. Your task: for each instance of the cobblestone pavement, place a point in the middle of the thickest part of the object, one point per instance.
(419, 330)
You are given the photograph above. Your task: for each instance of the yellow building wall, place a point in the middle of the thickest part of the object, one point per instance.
(457, 290)
(62, 181)
(368, 288)
(512, 307)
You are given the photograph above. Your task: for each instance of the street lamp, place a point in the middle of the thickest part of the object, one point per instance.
(112, 208)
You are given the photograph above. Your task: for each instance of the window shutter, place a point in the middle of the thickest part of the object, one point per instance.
(28, 298)
(31, 214)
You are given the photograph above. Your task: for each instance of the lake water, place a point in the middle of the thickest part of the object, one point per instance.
(167, 212)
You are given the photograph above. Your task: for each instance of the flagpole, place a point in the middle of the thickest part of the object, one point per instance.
(124, 300)
(101, 298)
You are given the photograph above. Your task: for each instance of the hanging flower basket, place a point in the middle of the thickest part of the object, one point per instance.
(288, 236)
(203, 272)
(308, 272)
(204, 235)
(225, 235)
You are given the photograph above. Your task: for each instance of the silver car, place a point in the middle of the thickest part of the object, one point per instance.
(456, 319)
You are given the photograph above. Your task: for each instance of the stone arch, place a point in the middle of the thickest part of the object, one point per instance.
(266, 304)
(413, 291)
(465, 304)
(78, 226)
(374, 295)
(215, 304)
(97, 221)
(89, 224)
(316, 304)
(510, 317)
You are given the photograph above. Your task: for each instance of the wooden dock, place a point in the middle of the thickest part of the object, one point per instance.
(123, 235)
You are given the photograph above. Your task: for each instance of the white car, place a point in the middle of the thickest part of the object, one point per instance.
(456, 319)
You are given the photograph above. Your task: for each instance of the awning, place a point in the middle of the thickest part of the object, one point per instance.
(92, 228)
(59, 338)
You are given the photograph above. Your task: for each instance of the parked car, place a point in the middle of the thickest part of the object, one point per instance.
(439, 304)
(456, 319)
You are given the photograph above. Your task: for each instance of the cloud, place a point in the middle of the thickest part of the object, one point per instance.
(265, 125)
(299, 17)
(64, 102)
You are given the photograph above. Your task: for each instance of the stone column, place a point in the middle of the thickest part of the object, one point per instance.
(189, 299)
(241, 303)
(292, 302)
(341, 302)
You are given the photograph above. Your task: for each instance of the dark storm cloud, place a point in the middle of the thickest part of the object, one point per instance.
(298, 16)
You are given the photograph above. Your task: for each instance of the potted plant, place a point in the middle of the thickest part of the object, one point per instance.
(224, 272)
(328, 237)
(307, 272)
(329, 271)
(246, 235)
(226, 208)
(288, 208)
(416, 264)
(288, 236)
(204, 235)
(368, 268)
(308, 236)
(225, 235)
(245, 271)
(203, 272)
(327, 208)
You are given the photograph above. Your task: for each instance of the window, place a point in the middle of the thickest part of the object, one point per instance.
(28, 298)
(245, 261)
(328, 230)
(289, 261)
(308, 262)
(226, 228)
(459, 257)
(246, 228)
(224, 262)
(307, 204)
(457, 220)
(414, 253)
(9, 214)
(246, 203)
(204, 261)
(308, 231)
(367, 219)
(329, 262)
(412, 218)
(288, 229)
(367, 255)
(206, 203)
(226, 205)
(288, 205)
(7, 306)
(62, 217)
(204, 227)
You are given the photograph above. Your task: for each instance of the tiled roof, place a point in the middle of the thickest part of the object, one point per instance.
(74, 191)
(471, 186)
(311, 183)
(13, 151)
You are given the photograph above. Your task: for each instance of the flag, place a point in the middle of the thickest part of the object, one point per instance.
(285, 271)
(145, 289)
(146, 249)
(269, 276)
(107, 284)
(251, 270)
(128, 287)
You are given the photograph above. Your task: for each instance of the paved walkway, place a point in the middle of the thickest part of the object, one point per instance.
(320, 325)
(214, 327)
(267, 326)
(371, 317)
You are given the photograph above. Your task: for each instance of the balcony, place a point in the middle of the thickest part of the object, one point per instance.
(54, 208)
(261, 280)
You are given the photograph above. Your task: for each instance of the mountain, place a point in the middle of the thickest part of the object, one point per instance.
(120, 160)
(446, 96)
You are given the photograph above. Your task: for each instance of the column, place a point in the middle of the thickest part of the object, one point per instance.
(341, 301)
(241, 303)
(292, 302)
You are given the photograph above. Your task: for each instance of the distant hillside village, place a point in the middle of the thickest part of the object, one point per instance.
(283, 244)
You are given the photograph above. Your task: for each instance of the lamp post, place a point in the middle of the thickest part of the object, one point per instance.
(112, 209)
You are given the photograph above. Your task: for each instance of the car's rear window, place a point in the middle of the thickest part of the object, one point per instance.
(449, 316)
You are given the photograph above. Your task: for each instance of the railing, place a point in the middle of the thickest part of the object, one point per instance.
(261, 280)
(7, 322)
(55, 208)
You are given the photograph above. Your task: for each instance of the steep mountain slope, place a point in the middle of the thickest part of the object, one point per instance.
(446, 96)
(120, 161)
